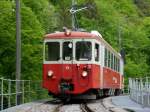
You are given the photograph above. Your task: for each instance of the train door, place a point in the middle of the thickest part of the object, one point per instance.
(67, 59)
(83, 56)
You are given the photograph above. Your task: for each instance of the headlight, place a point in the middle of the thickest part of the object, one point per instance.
(50, 73)
(68, 32)
(84, 73)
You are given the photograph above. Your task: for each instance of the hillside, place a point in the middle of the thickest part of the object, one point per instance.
(127, 19)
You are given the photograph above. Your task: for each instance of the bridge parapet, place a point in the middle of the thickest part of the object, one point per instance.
(140, 90)
(29, 91)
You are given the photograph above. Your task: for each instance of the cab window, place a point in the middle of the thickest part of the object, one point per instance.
(83, 51)
(52, 51)
(67, 51)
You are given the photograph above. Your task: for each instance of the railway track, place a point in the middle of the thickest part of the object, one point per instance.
(97, 106)
(47, 106)
(85, 108)
(59, 106)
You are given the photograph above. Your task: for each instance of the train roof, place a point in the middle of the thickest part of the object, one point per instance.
(73, 34)
(85, 35)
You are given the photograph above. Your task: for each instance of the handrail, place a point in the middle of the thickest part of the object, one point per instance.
(8, 91)
(140, 90)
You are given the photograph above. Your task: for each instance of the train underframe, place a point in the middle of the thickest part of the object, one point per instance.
(90, 94)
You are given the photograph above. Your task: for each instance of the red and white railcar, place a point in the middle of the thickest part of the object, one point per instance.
(78, 63)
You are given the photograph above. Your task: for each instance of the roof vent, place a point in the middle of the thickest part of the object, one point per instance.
(57, 31)
(96, 33)
(81, 29)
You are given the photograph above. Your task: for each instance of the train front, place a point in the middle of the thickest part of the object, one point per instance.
(68, 63)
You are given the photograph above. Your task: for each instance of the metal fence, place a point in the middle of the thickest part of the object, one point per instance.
(126, 90)
(29, 91)
(140, 90)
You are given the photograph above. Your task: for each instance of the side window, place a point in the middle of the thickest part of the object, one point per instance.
(118, 65)
(96, 52)
(111, 60)
(106, 57)
(114, 62)
(52, 51)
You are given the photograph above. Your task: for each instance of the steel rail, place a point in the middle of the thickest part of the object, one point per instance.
(85, 108)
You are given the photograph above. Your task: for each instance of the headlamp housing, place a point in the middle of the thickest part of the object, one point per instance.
(50, 73)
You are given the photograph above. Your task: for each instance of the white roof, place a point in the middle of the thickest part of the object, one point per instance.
(96, 33)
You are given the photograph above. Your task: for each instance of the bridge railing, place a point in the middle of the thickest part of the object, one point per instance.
(29, 91)
(126, 90)
(140, 90)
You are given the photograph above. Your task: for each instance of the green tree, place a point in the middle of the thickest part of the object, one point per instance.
(7, 39)
(45, 13)
(32, 33)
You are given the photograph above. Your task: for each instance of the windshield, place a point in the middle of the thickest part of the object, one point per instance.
(52, 51)
(67, 51)
(83, 51)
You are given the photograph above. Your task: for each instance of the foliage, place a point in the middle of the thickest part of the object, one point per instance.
(31, 45)
(144, 6)
(44, 12)
(7, 39)
(31, 38)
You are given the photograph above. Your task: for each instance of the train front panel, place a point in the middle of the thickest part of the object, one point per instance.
(69, 66)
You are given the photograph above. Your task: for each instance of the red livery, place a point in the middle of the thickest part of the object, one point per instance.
(81, 63)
